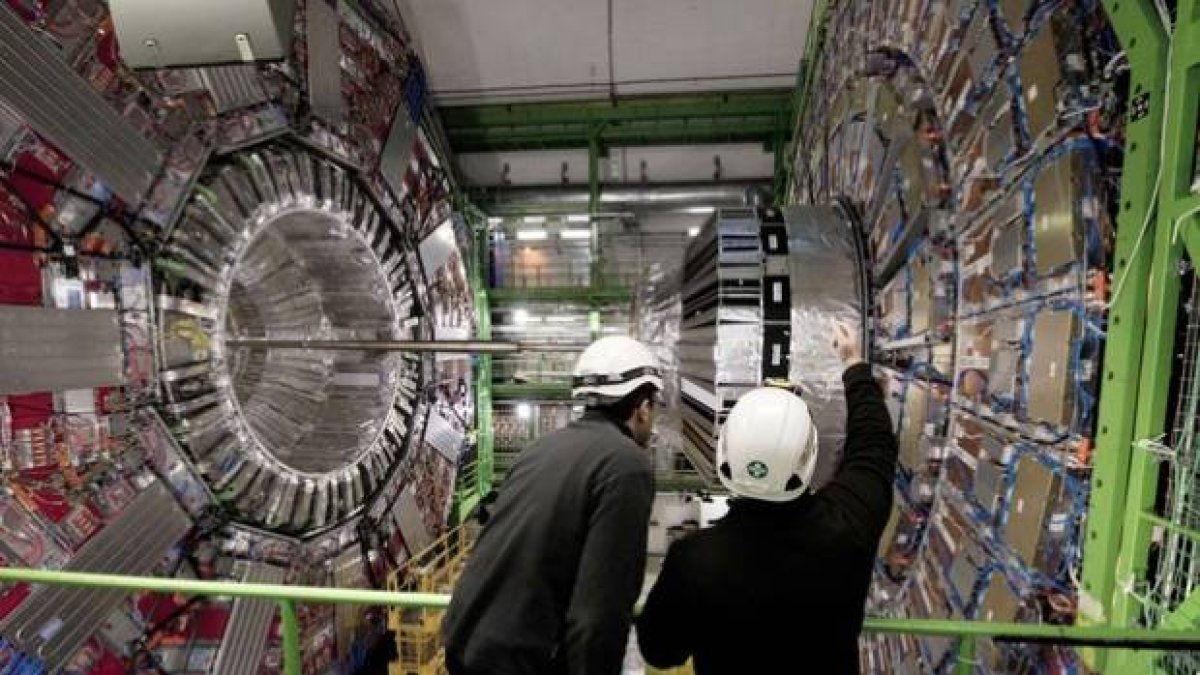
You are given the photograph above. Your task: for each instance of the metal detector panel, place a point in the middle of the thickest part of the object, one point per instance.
(1050, 389)
(166, 33)
(1056, 234)
(827, 284)
(1032, 496)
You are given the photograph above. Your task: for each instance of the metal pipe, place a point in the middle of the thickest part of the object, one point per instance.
(1173, 527)
(965, 656)
(1105, 636)
(440, 346)
(437, 346)
(634, 198)
(293, 660)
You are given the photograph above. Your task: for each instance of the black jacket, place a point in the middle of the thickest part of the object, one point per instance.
(780, 588)
(551, 584)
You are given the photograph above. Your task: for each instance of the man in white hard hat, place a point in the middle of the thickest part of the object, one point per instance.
(551, 583)
(783, 550)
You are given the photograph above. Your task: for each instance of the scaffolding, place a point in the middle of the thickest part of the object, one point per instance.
(434, 570)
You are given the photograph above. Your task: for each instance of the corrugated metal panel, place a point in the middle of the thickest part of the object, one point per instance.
(245, 638)
(54, 623)
(233, 87)
(45, 349)
(39, 86)
(324, 60)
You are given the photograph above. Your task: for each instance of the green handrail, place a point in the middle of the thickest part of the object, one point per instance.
(288, 596)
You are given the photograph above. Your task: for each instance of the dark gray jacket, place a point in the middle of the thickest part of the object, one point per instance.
(551, 584)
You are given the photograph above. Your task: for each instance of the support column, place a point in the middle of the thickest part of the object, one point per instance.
(1141, 34)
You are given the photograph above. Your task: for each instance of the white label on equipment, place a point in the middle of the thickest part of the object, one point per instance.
(777, 291)
(776, 354)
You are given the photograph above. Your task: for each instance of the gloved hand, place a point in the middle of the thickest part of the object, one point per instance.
(847, 343)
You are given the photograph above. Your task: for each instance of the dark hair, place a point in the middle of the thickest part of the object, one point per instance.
(623, 409)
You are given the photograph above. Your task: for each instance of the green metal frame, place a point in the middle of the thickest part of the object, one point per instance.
(532, 391)
(639, 120)
(592, 295)
(485, 465)
(1156, 205)
(288, 596)
(785, 184)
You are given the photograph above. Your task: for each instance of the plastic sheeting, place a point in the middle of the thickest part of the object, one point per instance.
(826, 267)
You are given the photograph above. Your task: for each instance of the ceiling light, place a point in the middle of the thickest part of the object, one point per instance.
(535, 220)
(524, 411)
(495, 221)
(699, 210)
(693, 231)
(578, 219)
(561, 318)
(575, 234)
(520, 316)
(532, 235)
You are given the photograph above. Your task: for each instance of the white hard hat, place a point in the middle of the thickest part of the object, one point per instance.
(768, 446)
(612, 367)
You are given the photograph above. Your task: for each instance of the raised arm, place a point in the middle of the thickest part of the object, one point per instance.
(862, 486)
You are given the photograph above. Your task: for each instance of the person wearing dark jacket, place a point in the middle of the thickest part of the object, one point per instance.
(551, 583)
(779, 584)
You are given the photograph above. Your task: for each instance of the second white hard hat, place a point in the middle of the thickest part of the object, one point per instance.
(768, 447)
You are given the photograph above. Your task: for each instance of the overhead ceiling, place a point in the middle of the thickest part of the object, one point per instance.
(484, 51)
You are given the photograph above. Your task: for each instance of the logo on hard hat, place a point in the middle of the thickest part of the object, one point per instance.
(757, 470)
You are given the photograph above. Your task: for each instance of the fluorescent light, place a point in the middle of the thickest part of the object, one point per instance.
(699, 210)
(495, 221)
(559, 318)
(535, 220)
(578, 219)
(524, 411)
(693, 231)
(575, 234)
(532, 235)
(520, 316)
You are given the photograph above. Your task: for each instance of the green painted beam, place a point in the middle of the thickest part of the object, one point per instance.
(531, 391)
(287, 596)
(484, 427)
(595, 295)
(1138, 28)
(628, 109)
(697, 131)
(1162, 301)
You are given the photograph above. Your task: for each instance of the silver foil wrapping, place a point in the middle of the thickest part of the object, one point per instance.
(827, 286)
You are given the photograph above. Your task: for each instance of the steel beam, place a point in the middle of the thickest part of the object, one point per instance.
(438, 346)
(1175, 204)
(532, 391)
(1141, 33)
(668, 132)
(594, 295)
(1172, 637)
(630, 109)
(485, 433)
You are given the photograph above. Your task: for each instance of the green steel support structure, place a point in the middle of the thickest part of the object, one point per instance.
(1136, 22)
(532, 391)
(484, 435)
(637, 120)
(1157, 225)
(288, 596)
(591, 295)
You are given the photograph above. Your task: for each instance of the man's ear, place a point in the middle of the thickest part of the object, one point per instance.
(645, 410)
